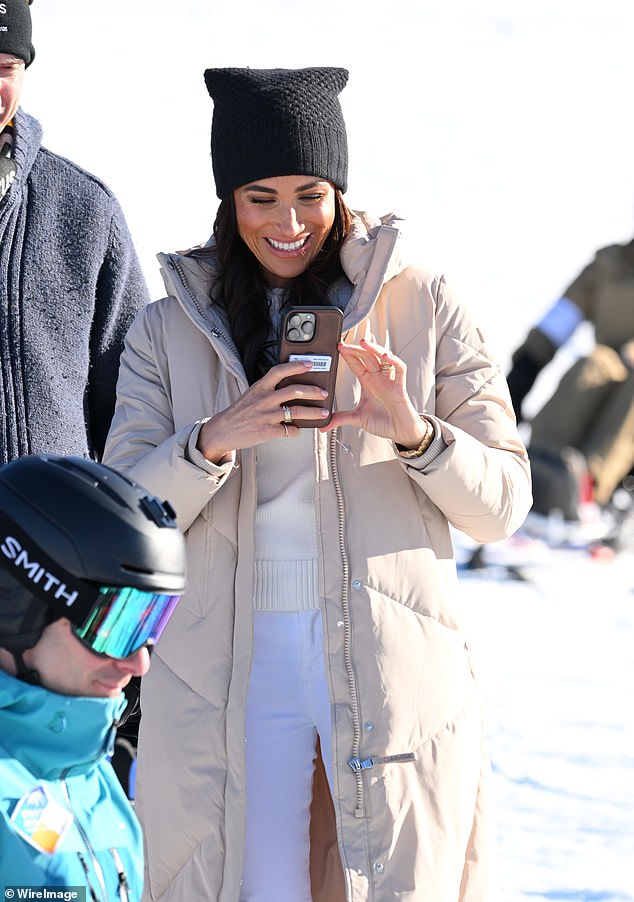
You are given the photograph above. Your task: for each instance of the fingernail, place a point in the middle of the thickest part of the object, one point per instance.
(324, 393)
(324, 412)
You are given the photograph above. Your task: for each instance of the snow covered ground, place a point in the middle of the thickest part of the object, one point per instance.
(555, 658)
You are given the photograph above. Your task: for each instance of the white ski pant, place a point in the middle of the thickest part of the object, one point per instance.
(288, 707)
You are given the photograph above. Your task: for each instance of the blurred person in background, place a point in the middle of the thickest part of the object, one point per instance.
(587, 425)
(91, 567)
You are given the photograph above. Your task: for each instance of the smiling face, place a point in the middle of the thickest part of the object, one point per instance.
(284, 221)
(67, 667)
(11, 76)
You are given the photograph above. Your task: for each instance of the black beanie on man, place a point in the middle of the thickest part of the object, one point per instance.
(15, 29)
(272, 122)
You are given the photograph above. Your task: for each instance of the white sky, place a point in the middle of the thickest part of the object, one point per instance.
(502, 130)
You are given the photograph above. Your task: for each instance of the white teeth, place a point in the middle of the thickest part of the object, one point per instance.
(286, 246)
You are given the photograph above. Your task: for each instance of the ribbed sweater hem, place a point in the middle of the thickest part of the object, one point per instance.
(286, 586)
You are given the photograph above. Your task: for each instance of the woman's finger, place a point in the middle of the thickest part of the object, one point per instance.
(358, 359)
(299, 393)
(284, 370)
(385, 358)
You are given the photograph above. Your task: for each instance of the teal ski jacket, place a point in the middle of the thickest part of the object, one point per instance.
(64, 819)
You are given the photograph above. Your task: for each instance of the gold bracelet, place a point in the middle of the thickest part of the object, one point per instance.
(426, 441)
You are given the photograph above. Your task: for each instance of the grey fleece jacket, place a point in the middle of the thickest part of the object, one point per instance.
(70, 285)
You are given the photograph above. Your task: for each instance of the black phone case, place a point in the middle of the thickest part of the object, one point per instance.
(321, 346)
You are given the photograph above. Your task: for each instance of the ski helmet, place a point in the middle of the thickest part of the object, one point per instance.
(80, 540)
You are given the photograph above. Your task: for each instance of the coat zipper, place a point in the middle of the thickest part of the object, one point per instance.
(123, 881)
(214, 329)
(358, 765)
(124, 888)
(347, 625)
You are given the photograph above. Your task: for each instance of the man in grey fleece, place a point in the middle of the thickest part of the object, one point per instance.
(70, 280)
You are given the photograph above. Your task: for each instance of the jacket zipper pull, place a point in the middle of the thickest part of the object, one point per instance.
(93, 895)
(358, 765)
(124, 887)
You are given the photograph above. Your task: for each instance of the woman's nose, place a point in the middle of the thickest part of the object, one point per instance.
(289, 222)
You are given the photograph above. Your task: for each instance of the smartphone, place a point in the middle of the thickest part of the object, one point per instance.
(312, 333)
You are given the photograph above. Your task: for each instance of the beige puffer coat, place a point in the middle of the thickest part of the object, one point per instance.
(410, 818)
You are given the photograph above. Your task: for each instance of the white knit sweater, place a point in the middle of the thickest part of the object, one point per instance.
(285, 526)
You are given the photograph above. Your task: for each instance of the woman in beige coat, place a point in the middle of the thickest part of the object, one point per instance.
(316, 660)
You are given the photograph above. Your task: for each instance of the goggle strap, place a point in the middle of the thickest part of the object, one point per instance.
(67, 595)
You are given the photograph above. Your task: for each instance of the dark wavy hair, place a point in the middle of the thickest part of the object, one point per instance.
(241, 289)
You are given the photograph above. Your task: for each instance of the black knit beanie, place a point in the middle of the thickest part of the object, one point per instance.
(15, 29)
(271, 122)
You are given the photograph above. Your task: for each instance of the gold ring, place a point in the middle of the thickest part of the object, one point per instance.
(285, 428)
(287, 413)
(386, 367)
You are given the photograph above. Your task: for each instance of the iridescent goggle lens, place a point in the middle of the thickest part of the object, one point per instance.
(123, 620)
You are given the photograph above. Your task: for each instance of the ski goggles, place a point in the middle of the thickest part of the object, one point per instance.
(123, 620)
(113, 621)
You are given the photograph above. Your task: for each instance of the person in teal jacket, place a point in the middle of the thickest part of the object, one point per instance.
(91, 568)
(55, 769)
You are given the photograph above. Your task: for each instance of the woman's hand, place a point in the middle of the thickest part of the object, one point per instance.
(384, 407)
(258, 415)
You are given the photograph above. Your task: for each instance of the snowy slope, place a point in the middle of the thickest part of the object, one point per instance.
(555, 658)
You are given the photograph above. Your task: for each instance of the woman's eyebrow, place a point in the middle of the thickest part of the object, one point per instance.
(260, 188)
(266, 190)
